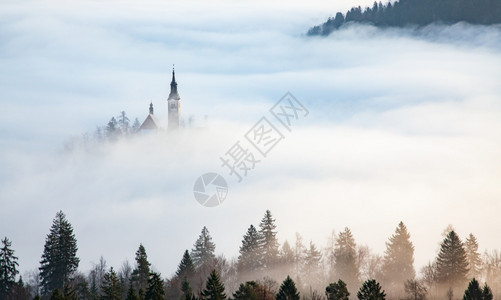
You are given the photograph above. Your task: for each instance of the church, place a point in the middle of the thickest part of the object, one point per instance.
(151, 123)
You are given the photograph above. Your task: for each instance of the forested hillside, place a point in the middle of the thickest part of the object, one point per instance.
(264, 269)
(416, 12)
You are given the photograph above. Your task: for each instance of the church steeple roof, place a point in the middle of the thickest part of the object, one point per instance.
(151, 108)
(174, 95)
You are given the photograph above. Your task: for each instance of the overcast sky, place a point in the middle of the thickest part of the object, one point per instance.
(403, 126)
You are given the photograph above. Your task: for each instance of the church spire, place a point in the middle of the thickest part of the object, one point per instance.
(151, 108)
(173, 87)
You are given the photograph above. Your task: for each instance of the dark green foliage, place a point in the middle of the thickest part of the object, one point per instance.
(203, 251)
(288, 290)
(371, 290)
(487, 293)
(214, 288)
(187, 291)
(247, 291)
(474, 292)
(250, 251)
(398, 264)
(56, 295)
(269, 243)
(414, 290)
(8, 268)
(131, 293)
(416, 12)
(452, 265)
(186, 267)
(111, 287)
(337, 291)
(141, 273)
(155, 289)
(59, 260)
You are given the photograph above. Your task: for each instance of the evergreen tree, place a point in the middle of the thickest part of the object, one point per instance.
(250, 251)
(473, 292)
(131, 293)
(312, 265)
(214, 288)
(56, 295)
(398, 263)
(59, 260)
(337, 291)
(247, 291)
(187, 291)
(269, 242)
(371, 290)
(111, 287)
(155, 289)
(344, 259)
(286, 260)
(8, 268)
(186, 268)
(472, 256)
(141, 273)
(414, 290)
(203, 251)
(487, 293)
(287, 290)
(452, 264)
(112, 129)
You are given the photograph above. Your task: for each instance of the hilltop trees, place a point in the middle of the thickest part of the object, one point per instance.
(371, 290)
(474, 292)
(141, 272)
(337, 291)
(8, 268)
(288, 290)
(249, 259)
(345, 266)
(214, 289)
(203, 250)
(452, 264)
(398, 263)
(59, 260)
(472, 256)
(111, 287)
(269, 242)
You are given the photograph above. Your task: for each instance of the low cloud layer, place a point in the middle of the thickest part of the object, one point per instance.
(402, 126)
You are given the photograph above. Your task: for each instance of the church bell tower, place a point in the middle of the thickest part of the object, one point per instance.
(174, 104)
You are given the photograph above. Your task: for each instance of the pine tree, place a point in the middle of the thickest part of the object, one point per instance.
(59, 260)
(487, 293)
(371, 290)
(472, 255)
(473, 292)
(398, 263)
(131, 293)
(414, 290)
(187, 291)
(344, 259)
(247, 291)
(111, 287)
(286, 260)
(337, 291)
(155, 289)
(452, 264)
(250, 252)
(312, 266)
(8, 268)
(186, 268)
(269, 242)
(141, 273)
(56, 295)
(287, 290)
(214, 288)
(203, 251)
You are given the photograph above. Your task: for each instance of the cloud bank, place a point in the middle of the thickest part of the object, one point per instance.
(402, 126)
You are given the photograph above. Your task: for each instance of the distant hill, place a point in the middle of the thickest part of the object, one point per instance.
(416, 12)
